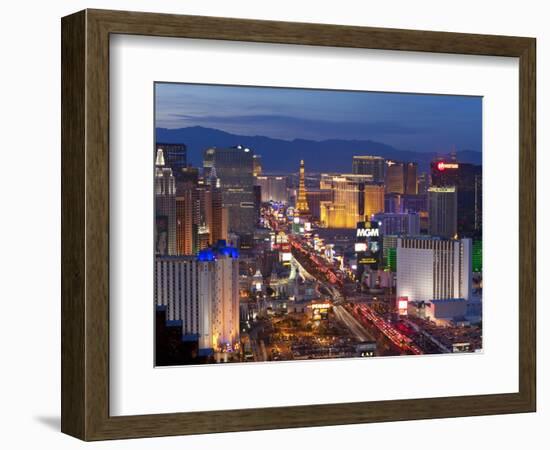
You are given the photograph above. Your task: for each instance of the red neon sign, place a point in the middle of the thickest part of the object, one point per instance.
(441, 166)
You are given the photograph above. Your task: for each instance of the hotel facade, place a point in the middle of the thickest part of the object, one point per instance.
(201, 296)
(430, 268)
(355, 198)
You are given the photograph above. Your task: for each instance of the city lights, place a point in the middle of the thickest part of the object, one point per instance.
(281, 250)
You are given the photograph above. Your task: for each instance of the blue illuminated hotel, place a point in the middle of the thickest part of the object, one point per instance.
(201, 295)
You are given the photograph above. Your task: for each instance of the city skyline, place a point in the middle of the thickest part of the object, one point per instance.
(381, 255)
(406, 121)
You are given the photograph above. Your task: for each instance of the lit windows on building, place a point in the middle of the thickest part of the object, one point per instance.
(442, 211)
(165, 208)
(431, 268)
(202, 294)
(374, 166)
(355, 198)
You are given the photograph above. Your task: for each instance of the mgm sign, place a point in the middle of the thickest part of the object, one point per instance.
(367, 245)
(367, 232)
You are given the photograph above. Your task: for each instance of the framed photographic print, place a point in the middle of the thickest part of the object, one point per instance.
(272, 225)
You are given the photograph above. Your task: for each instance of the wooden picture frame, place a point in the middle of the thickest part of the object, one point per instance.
(85, 224)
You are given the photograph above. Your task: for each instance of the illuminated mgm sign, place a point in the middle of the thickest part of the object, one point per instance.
(367, 245)
(368, 232)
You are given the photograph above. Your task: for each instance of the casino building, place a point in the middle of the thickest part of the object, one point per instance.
(467, 179)
(430, 268)
(201, 294)
(234, 168)
(165, 207)
(273, 188)
(398, 223)
(374, 166)
(175, 157)
(442, 211)
(355, 198)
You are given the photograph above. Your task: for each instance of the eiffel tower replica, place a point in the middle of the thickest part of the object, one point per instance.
(301, 202)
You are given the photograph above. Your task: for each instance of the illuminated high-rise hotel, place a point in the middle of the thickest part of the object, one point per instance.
(256, 165)
(219, 289)
(467, 178)
(430, 268)
(442, 211)
(301, 201)
(187, 221)
(398, 223)
(201, 295)
(370, 165)
(395, 178)
(314, 199)
(401, 178)
(374, 199)
(234, 168)
(423, 183)
(177, 288)
(165, 208)
(411, 178)
(355, 198)
(175, 157)
(213, 213)
(187, 211)
(273, 188)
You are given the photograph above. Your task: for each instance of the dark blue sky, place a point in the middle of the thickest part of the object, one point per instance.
(419, 122)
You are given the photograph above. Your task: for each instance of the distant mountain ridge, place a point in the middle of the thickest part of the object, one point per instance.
(279, 155)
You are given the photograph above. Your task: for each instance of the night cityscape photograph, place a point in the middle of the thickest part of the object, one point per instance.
(303, 224)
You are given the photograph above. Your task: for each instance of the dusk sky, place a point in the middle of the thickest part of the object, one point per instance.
(406, 121)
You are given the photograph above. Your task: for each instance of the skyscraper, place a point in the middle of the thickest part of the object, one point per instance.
(333, 215)
(234, 168)
(219, 288)
(395, 178)
(423, 183)
(274, 188)
(442, 211)
(203, 237)
(374, 199)
(202, 295)
(355, 198)
(218, 221)
(175, 157)
(187, 220)
(301, 201)
(411, 181)
(256, 165)
(414, 203)
(187, 211)
(467, 178)
(165, 208)
(434, 269)
(213, 215)
(177, 288)
(398, 223)
(314, 199)
(393, 203)
(370, 165)
(401, 178)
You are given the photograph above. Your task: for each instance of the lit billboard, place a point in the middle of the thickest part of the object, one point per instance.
(402, 305)
(319, 311)
(367, 246)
